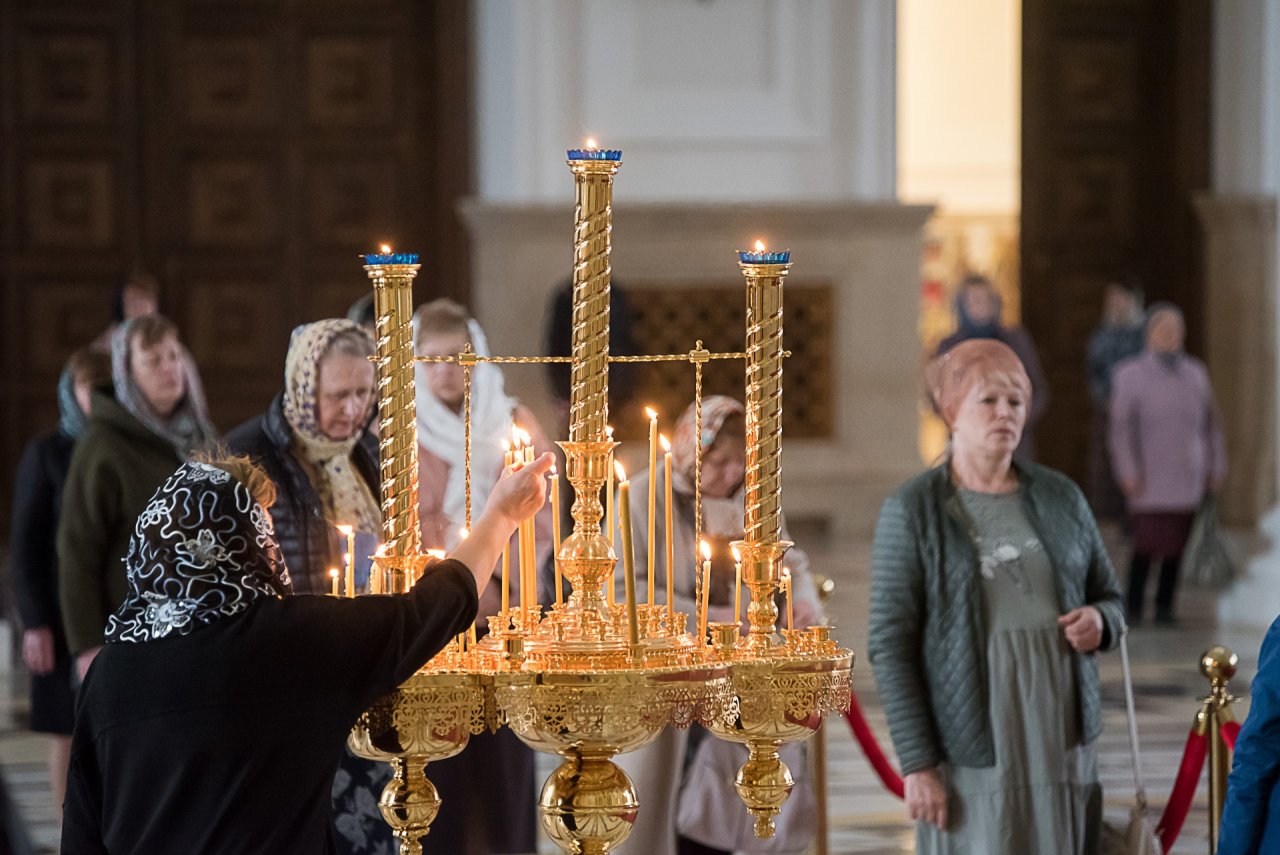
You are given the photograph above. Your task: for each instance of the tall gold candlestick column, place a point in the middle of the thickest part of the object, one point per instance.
(592, 227)
(762, 548)
(393, 275)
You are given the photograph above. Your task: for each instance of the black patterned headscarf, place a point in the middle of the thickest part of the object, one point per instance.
(201, 551)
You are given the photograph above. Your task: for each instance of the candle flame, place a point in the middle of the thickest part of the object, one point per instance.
(333, 572)
(553, 473)
(526, 438)
(463, 533)
(651, 413)
(386, 248)
(666, 443)
(591, 142)
(506, 446)
(622, 473)
(345, 529)
(759, 246)
(705, 549)
(737, 556)
(437, 554)
(786, 574)
(608, 431)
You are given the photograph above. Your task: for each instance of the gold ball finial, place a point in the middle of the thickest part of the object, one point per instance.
(1218, 664)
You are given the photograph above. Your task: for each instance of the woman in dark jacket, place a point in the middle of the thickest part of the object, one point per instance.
(37, 502)
(215, 716)
(150, 420)
(990, 593)
(315, 444)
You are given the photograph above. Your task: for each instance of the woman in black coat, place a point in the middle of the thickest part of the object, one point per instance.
(37, 502)
(215, 716)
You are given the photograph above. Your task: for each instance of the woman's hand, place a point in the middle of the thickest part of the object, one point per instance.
(926, 797)
(522, 491)
(519, 494)
(1083, 628)
(37, 650)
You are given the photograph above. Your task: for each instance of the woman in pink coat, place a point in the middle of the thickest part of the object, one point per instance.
(1167, 451)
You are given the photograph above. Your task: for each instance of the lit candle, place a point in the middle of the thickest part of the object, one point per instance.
(653, 495)
(350, 533)
(377, 576)
(333, 577)
(531, 556)
(671, 552)
(706, 590)
(555, 530)
(628, 560)
(786, 586)
(609, 521)
(737, 585)
(386, 256)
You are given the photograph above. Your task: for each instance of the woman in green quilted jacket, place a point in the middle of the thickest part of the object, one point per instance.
(991, 593)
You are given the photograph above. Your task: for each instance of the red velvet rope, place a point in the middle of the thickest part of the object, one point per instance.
(1184, 790)
(875, 755)
(1230, 730)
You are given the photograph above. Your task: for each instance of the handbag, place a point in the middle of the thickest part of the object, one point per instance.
(1138, 837)
(1206, 561)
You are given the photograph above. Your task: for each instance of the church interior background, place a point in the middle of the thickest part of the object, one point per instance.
(246, 152)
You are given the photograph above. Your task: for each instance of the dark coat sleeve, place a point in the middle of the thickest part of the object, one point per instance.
(369, 645)
(35, 521)
(1102, 588)
(896, 638)
(91, 515)
(1255, 770)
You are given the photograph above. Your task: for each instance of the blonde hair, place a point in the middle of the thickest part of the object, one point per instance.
(241, 467)
(950, 376)
(440, 317)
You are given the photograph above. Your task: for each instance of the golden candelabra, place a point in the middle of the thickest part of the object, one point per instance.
(589, 679)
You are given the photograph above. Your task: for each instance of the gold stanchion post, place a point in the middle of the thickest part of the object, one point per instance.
(1218, 665)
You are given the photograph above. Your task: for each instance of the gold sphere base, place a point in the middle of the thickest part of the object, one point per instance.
(764, 784)
(409, 803)
(588, 805)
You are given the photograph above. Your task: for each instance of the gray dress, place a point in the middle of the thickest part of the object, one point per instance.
(1042, 796)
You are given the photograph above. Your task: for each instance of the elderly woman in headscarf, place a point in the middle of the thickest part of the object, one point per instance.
(37, 503)
(691, 807)
(990, 593)
(216, 715)
(1167, 451)
(479, 820)
(151, 419)
(315, 445)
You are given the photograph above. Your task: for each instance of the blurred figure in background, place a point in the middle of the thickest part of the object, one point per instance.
(137, 295)
(150, 420)
(361, 312)
(1119, 337)
(479, 819)
(978, 307)
(1167, 451)
(684, 778)
(37, 504)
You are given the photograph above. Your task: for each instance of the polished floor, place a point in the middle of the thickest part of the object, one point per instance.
(864, 818)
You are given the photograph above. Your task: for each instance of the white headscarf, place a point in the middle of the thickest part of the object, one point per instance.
(441, 431)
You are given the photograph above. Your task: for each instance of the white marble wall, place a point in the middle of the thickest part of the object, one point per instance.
(710, 101)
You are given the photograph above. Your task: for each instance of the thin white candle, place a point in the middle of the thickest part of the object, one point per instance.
(705, 548)
(333, 577)
(350, 534)
(668, 528)
(628, 561)
(555, 531)
(737, 585)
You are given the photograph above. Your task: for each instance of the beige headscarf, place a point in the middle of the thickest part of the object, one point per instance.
(347, 498)
(950, 377)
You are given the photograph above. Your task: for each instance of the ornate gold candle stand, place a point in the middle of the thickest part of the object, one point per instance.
(578, 680)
